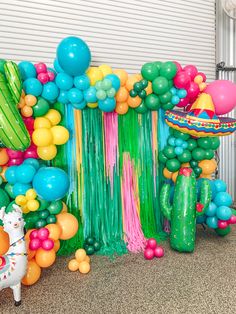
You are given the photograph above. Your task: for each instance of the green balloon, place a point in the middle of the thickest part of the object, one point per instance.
(152, 102)
(197, 171)
(183, 136)
(4, 198)
(142, 94)
(192, 144)
(173, 165)
(198, 154)
(51, 219)
(40, 223)
(209, 154)
(10, 207)
(41, 107)
(168, 70)
(9, 189)
(96, 246)
(165, 98)
(133, 93)
(186, 156)
(43, 214)
(158, 64)
(2, 62)
(169, 152)
(43, 204)
(162, 158)
(167, 106)
(30, 219)
(55, 207)
(106, 84)
(160, 85)
(171, 131)
(138, 86)
(90, 241)
(101, 94)
(90, 250)
(170, 83)
(215, 143)
(149, 71)
(141, 108)
(144, 83)
(204, 142)
(223, 232)
(111, 92)
(193, 163)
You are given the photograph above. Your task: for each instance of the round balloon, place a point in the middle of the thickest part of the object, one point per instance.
(33, 273)
(69, 225)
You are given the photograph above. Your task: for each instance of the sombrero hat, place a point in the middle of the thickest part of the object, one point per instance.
(201, 120)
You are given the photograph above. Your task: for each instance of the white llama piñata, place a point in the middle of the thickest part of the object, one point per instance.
(14, 263)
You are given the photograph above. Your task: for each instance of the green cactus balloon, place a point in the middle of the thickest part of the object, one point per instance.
(182, 214)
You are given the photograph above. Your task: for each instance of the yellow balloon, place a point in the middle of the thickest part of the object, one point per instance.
(31, 194)
(25, 209)
(47, 152)
(53, 116)
(33, 205)
(42, 137)
(202, 86)
(198, 79)
(92, 105)
(60, 135)
(94, 74)
(42, 122)
(21, 200)
(106, 69)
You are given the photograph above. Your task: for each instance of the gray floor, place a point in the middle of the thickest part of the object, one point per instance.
(203, 282)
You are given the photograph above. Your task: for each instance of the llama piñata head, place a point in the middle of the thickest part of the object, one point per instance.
(13, 222)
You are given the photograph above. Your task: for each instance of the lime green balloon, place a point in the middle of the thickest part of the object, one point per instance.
(149, 71)
(215, 143)
(183, 136)
(152, 102)
(169, 152)
(41, 107)
(168, 70)
(191, 144)
(173, 165)
(204, 142)
(198, 154)
(165, 98)
(101, 94)
(111, 92)
(209, 154)
(4, 198)
(167, 106)
(186, 156)
(160, 85)
(142, 108)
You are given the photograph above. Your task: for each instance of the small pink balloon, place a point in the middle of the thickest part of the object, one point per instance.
(151, 243)
(193, 90)
(47, 244)
(148, 254)
(191, 70)
(183, 102)
(15, 161)
(222, 224)
(159, 252)
(43, 234)
(29, 123)
(232, 220)
(202, 75)
(43, 78)
(51, 76)
(34, 244)
(40, 68)
(14, 153)
(33, 234)
(182, 80)
(178, 65)
(31, 152)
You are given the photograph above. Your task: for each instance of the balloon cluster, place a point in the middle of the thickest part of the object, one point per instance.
(28, 201)
(40, 239)
(81, 262)
(153, 250)
(43, 73)
(25, 105)
(91, 245)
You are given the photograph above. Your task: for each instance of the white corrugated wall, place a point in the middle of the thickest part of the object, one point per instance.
(226, 51)
(124, 34)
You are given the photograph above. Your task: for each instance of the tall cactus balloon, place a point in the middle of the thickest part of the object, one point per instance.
(182, 214)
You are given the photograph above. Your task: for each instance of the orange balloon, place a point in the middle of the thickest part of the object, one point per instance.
(87, 259)
(33, 273)
(208, 166)
(123, 76)
(134, 102)
(138, 77)
(2, 174)
(4, 241)
(167, 174)
(148, 89)
(3, 156)
(57, 245)
(54, 231)
(121, 107)
(130, 82)
(80, 255)
(30, 100)
(21, 103)
(26, 111)
(206, 176)
(84, 267)
(122, 94)
(45, 258)
(73, 265)
(186, 164)
(69, 225)
(174, 176)
(30, 253)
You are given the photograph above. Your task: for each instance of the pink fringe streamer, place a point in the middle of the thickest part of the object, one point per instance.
(132, 228)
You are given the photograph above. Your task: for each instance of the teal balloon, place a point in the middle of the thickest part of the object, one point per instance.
(111, 92)
(179, 142)
(25, 173)
(141, 108)
(171, 141)
(212, 222)
(173, 165)
(223, 212)
(152, 102)
(64, 81)
(168, 70)
(179, 151)
(63, 97)
(211, 210)
(165, 98)
(182, 93)
(173, 90)
(20, 188)
(107, 105)
(57, 66)
(50, 91)
(220, 185)
(223, 199)
(175, 100)
(149, 71)
(114, 80)
(27, 70)
(55, 207)
(82, 82)
(160, 85)
(75, 95)
(80, 105)
(90, 94)
(33, 86)
(41, 107)
(101, 94)
(10, 174)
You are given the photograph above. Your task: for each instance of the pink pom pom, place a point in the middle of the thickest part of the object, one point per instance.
(15, 161)
(222, 224)
(148, 254)
(182, 80)
(151, 243)
(43, 234)
(33, 234)
(40, 68)
(232, 220)
(34, 244)
(47, 244)
(191, 70)
(51, 76)
(159, 252)
(43, 78)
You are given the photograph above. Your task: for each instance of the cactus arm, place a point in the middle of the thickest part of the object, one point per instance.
(166, 207)
(205, 198)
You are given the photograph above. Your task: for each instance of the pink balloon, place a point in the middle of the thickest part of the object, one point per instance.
(47, 244)
(33, 234)
(191, 70)
(232, 220)
(34, 244)
(51, 76)
(15, 161)
(43, 234)
(148, 254)
(14, 153)
(159, 252)
(43, 78)
(182, 80)
(29, 123)
(222, 224)
(183, 102)
(31, 152)
(193, 90)
(178, 65)
(40, 67)
(202, 75)
(223, 94)
(151, 243)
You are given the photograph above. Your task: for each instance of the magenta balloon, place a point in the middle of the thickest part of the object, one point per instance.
(223, 94)
(14, 153)
(193, 90)
(34, 244)
(33, 234)
(151, 243)
(148, 253)
(232, 220)
(222, 224)
(191, 70)
(29, 123)
(31, 152)
(47, 244)
(182, 80)
(159, 252)
(43, 234)
(178, 65)
(15, 161)
(183, 102)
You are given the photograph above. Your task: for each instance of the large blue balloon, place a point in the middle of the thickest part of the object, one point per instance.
(27, 70)
(32, 86)
(211, 209)
(223, 212)
(73, 56)
(220, 186)
(51, 183)
(64, 81)
(223, 199)
(25, 173)
(212, 222)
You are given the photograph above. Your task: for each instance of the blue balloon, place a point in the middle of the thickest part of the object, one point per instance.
(107, 105)
(32, 162)
(175, 100)
(27, 70)
(73, 55)
(179, 142)
(90, 94)
(51, 184)
(182, 93)
(220, 186)
(173, 90)
(10, 175)
(80, 105)
(201, 219)
(223, 212)
(32, 86)
(50, 91)
(223, 199)
(64, 81)
(20, 188)
(57, 66)
(75, 95)
(25, 173)
(171, 141)
(82, 82)
(184, 145)
(179, 150)
(63, 97)
(211, 209)
(114, 80)
(212, 222)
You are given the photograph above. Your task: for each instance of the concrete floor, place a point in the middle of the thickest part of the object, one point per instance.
(203, 282)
